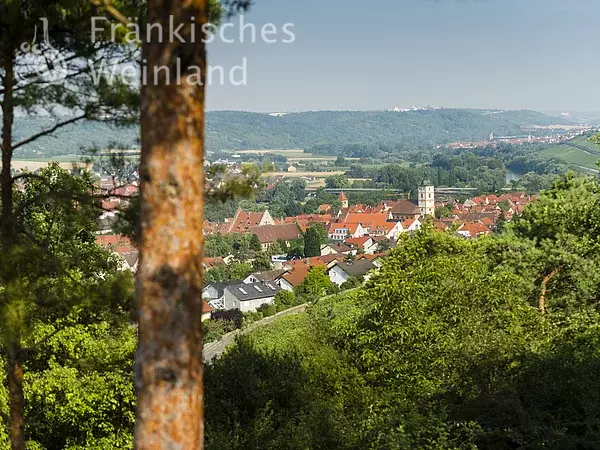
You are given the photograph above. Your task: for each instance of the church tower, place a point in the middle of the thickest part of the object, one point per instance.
(427, 199)
(342, 198)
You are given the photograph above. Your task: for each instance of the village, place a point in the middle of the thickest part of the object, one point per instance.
(353, 241)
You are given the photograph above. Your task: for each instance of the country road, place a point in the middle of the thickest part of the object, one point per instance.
(216, 349)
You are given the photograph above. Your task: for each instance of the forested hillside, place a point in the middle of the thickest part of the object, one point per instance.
(234, 130)
(75, 139)
(488, 344)
(244, 130)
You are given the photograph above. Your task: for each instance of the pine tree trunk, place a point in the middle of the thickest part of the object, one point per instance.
(169, 359)
(544, 290)
(14, 373)
(6, 177)
(17, 399)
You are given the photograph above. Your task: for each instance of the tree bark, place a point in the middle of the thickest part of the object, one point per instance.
(169, 359)
(17, 399)
(14, 373)
(545, 281)
(7, 151)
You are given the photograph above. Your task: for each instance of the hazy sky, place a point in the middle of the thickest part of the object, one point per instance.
(375, 54)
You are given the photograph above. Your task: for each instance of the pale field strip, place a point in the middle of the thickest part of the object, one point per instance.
(302, 174)
(32, 166)
(557, 127)
(294, 155)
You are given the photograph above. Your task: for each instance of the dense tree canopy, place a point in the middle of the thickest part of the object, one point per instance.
(447, 346)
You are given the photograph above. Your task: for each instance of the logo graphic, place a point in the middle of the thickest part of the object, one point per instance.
(42, 62)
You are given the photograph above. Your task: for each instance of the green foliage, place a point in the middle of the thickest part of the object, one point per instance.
(294, 396)
(443, 211)
(444, 347)
(296, 249)
(262, 261)
(316, 285)
(343, 134)
(337, 182)
(214, 329)
(240, 246)
(255, 243)
(298, 189)
(292, 209)
(361, 133)
(267, 310)
(340, 161)
(128, 222)
(383, 246)
(284, 300)
(228, 272)
(64, 301)
(351, 283)
(79, 389)
(313, 239)
(311, 206)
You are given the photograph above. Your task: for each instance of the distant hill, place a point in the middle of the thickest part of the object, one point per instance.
(235, 130)
(70, 140)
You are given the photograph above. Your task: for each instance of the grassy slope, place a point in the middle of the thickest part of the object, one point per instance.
(573, 155)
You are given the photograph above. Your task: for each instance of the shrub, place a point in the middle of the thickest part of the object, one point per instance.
(267, 310)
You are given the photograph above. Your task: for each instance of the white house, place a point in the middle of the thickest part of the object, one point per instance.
(268, 275)
(213, 294)
(248, 297)
(411, 225)
(341, 271)
(344, 230)
(327, 249)
(285, 285)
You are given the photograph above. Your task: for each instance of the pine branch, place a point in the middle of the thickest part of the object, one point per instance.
(111, 10)
(49, 131)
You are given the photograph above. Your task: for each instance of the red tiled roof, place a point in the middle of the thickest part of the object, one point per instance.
(212, 262)
(357, 242)
(108, 206)
(475, 228)
(113, 240)
(405, 207)
(272, 233)
(346, 225)
(244, 220)
(309, 218)
(296, 276)
(439, 225)
(487, 221)
(371, 257)
(206, 308)
(408, 222)
(377, 218)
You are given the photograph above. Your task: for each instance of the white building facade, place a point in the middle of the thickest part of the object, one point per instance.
(427, 200)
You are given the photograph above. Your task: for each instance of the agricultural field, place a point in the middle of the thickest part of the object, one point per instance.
(303, 174)
(293, 155)
(32, 164)
(579, 151)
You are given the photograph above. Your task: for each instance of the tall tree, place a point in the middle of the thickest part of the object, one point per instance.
(48, 62)
(312, 242)
(169, 359)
